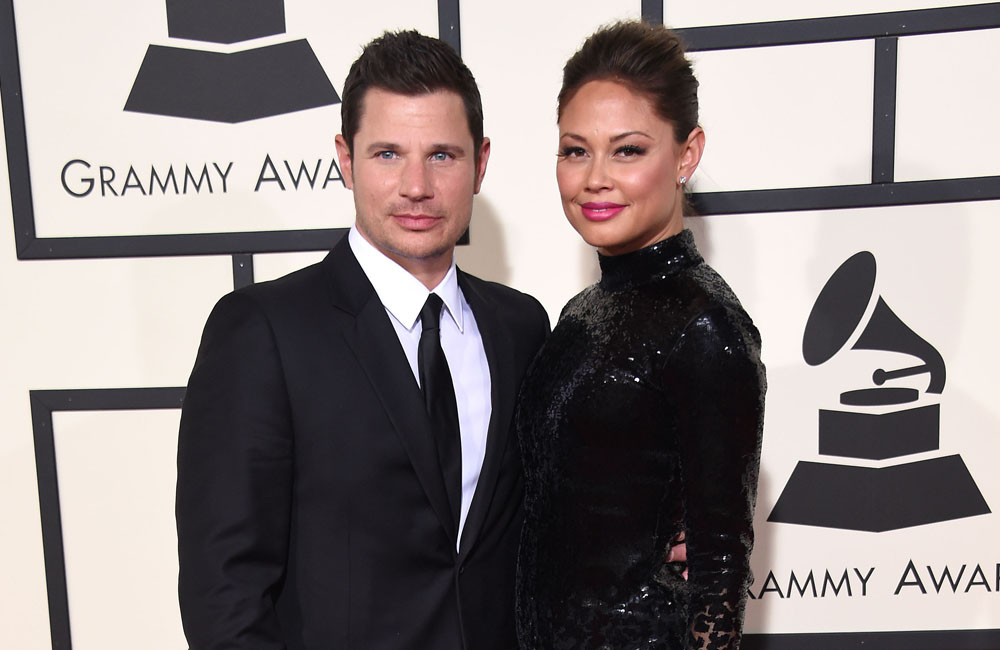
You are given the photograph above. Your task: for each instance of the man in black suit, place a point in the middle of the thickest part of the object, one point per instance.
(320, 500)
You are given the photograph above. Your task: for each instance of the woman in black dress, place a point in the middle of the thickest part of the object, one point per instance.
(640, 421)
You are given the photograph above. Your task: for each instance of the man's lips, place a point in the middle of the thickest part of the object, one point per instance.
(600, 211)
(416, 221)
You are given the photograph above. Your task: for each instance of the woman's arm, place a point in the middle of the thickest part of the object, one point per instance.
(716, 380)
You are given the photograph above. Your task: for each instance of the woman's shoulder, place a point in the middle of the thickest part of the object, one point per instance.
(701, 311)
(583, 303)
(708, 293)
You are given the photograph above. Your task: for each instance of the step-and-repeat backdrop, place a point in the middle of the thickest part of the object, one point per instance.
(162, 152)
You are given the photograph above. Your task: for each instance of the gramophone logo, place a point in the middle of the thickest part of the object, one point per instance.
(229, 87)
(881, 423)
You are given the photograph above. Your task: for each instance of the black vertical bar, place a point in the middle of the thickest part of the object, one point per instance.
(884, 113)
(52, 535)
(449, 27)
(652, 11)
(14, 126)
(450, 31)
(242, 270)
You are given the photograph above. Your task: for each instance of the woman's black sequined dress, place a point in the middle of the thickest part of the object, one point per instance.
(641, 418)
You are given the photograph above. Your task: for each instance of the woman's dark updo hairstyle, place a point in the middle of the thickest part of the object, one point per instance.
(647, 59)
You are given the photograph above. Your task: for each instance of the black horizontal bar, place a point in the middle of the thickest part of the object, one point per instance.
(923, 640)
(842, 28)
(108, 399)
(835, 197)
(217, 243)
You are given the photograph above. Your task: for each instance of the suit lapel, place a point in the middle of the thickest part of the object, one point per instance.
(497, 345)
(366, 328)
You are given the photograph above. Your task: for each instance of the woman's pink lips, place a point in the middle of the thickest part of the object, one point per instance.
(601, 211)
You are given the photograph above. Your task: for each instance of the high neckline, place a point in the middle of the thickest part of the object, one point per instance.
(657, 261)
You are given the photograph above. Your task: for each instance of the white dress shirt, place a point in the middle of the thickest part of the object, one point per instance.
(403, 297)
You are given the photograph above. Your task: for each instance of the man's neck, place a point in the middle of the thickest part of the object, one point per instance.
(428, 270)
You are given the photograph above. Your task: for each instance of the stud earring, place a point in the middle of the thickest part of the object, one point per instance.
(682, 180)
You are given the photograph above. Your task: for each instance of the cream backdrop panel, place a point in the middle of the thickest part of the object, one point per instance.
(116, 514)
(277, 173)
(785, 94)
(961, 98)
(935, 279)
(776, 117)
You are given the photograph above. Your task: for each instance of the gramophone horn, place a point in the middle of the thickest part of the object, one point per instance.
(885, 331)
(838, 311)
(839, 308)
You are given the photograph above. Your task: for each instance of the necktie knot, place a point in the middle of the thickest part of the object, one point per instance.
(430, 314)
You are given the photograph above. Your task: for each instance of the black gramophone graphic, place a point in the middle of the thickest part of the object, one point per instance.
(235, 86)
(892, 496)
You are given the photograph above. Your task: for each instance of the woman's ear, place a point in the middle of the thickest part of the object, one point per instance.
(690, 154)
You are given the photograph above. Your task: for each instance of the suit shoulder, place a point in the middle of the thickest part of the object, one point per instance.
(296, 289)
(501, 294)
(306, 278)
(266, 305)
(518, 309)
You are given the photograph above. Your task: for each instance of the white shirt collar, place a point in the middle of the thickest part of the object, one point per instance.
(402, 294)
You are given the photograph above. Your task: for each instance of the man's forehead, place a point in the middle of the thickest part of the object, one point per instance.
(439, 111)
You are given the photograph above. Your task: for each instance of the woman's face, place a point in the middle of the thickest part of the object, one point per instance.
(619, 168)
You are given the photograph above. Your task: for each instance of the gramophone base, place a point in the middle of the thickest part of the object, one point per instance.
(879, 436)
(235, 87)
(879, 499)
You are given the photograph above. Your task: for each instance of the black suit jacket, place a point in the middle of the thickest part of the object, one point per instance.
(311, 510)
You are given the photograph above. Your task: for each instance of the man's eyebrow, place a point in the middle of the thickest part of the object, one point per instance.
(382, 146)
(456, 150)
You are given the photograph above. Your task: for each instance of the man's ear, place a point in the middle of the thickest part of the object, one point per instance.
(484, 157)
(344, 156)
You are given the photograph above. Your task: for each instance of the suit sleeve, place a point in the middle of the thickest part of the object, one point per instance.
(543, 327)
(234, 478)
(717, 381)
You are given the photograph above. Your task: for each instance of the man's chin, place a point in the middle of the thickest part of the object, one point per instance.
(425, 253)
(426, 244)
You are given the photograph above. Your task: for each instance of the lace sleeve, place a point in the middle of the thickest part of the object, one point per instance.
(715, 375)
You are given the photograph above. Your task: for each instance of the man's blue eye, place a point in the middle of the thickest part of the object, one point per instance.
(439, 156)
(386, 155)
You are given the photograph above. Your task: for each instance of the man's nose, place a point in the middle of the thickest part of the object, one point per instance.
(416, 181)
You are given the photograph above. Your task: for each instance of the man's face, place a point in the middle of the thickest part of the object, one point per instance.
(414, 172)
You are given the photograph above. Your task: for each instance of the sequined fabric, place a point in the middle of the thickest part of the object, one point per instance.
(641, 418)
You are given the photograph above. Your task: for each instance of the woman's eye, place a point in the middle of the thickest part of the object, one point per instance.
(630, 150)
(571, 152)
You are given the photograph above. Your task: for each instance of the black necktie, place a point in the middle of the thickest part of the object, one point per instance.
(439, 398)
